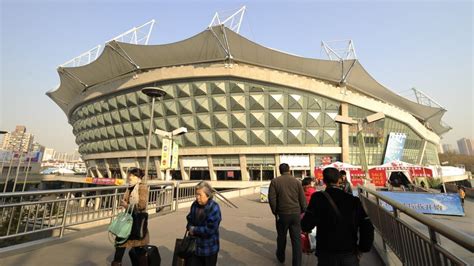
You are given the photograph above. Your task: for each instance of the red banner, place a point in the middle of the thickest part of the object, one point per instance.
(378, 176)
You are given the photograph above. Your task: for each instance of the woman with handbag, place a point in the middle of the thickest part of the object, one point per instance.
(203, 224)
(136, 200)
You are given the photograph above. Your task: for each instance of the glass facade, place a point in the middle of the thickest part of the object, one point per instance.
(376, 137)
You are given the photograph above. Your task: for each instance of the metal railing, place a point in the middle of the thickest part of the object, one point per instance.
(412, 246)
(52, 212)
(28, 213)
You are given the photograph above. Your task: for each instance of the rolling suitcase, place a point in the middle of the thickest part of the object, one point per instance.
(145, 256)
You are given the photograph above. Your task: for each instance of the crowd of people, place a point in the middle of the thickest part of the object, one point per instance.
(344, 230)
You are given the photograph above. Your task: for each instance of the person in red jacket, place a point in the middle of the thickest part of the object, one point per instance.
(308, 188)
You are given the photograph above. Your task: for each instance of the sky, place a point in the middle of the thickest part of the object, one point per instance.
(402, 44)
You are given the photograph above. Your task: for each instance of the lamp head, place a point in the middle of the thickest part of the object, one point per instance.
(153, 92)
(179, 131)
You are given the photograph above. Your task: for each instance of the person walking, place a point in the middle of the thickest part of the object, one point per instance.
(203, 220)
(136, 195)
(462, 194)
(287, 202)
(308, 188)
(345, 185)
(344, 230)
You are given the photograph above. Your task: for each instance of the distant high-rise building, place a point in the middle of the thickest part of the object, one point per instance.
(466, 146)
(18, 140)
(448, 148)
(48, 154)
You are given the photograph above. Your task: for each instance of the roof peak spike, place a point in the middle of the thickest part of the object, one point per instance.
(233, 22)
(339, 50)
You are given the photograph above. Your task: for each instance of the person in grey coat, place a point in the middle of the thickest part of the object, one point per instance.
(287, 202)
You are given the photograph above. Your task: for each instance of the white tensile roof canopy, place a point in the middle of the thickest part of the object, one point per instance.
(219, 44)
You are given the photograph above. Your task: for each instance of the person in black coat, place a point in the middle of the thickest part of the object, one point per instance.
(337, 241)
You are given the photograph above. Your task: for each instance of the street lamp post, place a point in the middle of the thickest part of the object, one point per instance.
(169, 135)
(360, 135)
(153, 93)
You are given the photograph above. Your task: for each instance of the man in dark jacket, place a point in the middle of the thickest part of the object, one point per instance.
(337, 240)
(287, 201)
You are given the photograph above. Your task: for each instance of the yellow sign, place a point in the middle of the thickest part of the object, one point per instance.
(174, 156)
(166, 154)
(119, 182)
(89, 180)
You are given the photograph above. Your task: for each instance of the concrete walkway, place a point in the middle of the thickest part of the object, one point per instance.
(247, 238)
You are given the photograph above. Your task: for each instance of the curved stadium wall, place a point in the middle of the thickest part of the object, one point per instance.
(240, 126)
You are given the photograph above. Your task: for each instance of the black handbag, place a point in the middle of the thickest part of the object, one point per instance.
(187, 247)
(139, 226)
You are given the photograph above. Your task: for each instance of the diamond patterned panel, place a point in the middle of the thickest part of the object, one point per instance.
(295, 119)
(236, 87)
(185, 106)
(257, 119)
(295, 136)
(276, 101)
(173, 123)
(221, 121)
(191, 139)
(238, 120)
(119, 130)
(124, 115)
(127, 129)
(141, 143)
(184, 90)
(203, 121)
(276, 136)
(112, 103)
(276, 119)
(131, 144)
(138, 128)
(199, 88)
(312, 136)
(313, 119)
(188, 122)
(134, 114)
(202, 105)
(223, 137)
(132, 99)
(295, 101)
(205, 138)
(237, 102)
(239, 137)
(258, 137)
(170, 107)
(170, 92)
(217, 88)
(219, 103)
(145, 111)
(257, 102)
(121, 101)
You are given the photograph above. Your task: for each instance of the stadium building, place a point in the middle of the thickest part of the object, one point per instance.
(247, 109)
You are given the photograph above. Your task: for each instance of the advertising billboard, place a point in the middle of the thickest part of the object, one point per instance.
(166, 154)
(395, 144)
(429, 203)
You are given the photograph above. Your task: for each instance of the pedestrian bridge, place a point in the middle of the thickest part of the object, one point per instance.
(76, 229)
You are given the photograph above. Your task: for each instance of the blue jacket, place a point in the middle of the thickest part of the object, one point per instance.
(207, 230)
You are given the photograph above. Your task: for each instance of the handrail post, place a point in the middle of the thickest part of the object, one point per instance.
(114, 206)
(176, 204)
(63, 224)
(434, 242)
